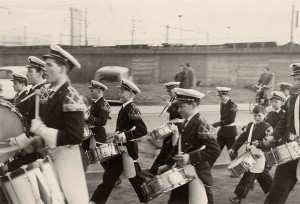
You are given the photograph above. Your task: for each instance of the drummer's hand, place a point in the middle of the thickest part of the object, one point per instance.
(21, 141)
(257, 152)
(183, 159)
(163, 169)
(268, 140)
(35, 125)
(216, 124)
(230, 151)
(86, 115)
(255, 143)
(119, 137)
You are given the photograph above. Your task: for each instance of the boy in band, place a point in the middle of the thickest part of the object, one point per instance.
(227, 131)
(173, 114)
(254, 133)
(20, 86)
(285, 88)
(130, 126)
(287, 174)
(195, 133)
(273, 117)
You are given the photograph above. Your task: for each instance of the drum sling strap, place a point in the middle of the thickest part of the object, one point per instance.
(260, 162)
(296, 124)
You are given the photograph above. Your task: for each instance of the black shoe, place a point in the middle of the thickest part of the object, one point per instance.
(236, 200)
(119, 181)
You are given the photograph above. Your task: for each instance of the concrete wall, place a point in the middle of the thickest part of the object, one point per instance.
(214, 66)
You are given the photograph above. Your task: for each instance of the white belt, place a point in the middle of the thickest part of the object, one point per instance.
(231, 124)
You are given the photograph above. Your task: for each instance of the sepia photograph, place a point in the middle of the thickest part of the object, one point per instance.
(149, 101)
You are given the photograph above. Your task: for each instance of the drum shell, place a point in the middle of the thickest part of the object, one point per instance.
(241, 164)
(283, 153)
(35, 180)
(161, 132)
(103, 152)
(165, 183)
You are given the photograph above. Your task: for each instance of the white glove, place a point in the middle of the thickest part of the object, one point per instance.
(48, 134)
(21, 141)
(175, 135)
(183, 159)
(119, 137)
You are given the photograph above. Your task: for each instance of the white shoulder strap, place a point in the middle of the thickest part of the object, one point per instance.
(296, 115)
(250, 135)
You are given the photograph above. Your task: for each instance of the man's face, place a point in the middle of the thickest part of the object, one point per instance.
(185, 110)
(124, 95)
(258, 117)
(297, 80)
(95, 93)
(17, 86)
(52, 71)
(223, 98)
(33, 76)
(276, 104)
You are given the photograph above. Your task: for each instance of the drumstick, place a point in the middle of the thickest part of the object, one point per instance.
(4, 143)
(171, 100)
(24, 99)
(37, 103)
(179, 145)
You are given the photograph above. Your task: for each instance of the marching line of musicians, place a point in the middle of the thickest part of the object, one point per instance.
(55, 114)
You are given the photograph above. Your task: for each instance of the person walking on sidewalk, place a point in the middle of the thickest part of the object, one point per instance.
(227, 131)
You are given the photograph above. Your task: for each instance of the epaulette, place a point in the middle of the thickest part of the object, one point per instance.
(234, 107)
(45, 93)
(205, 130)
(134, 113)
(105, 106)
(73, 101)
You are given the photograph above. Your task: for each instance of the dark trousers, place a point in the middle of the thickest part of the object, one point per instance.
(285, 179)
(180, 195)
(114, 169)
(228, 141)
(264, 179)
(163, 155)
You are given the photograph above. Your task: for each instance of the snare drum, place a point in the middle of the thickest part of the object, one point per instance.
(283, 153)
(165, 182)
(104, 152)
(33, 183)
(12, 124)
(241, 164)
(161, 132)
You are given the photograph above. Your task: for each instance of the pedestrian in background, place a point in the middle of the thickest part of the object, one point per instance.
(189, 79)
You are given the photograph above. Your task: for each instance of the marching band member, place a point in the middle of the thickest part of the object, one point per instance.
(227, 131)
(99, 113)
(277, 99)
(287, 174)
(35, 74)
(167, 142)
(130, 126)
(195, 133)
(20, 86)
(254, 133)
(285, 87)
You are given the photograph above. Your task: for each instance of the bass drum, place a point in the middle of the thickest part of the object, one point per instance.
(12, 124)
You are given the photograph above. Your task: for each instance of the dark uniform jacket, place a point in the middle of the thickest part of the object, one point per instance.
(273, 117)
(266, 79)
(197, 133)
(19, 97)
(131, 123)
(27, 108)
(99, 113)
(228, 112)
(259, 132)
(286, 124)
(64, 112)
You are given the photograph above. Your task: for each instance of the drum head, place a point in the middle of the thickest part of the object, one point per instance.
(238, 160)
(10, 126)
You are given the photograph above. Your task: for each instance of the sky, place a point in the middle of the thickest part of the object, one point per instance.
(110, 22)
